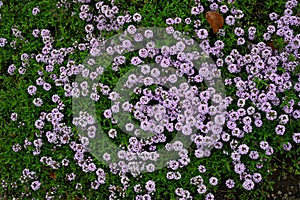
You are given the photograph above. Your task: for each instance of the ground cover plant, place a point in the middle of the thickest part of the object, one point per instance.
(149, 99)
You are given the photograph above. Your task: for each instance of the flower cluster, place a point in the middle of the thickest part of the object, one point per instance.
(180, 97)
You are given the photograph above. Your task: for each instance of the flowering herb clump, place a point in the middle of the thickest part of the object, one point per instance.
(148, 99)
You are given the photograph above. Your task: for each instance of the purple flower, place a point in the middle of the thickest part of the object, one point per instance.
(229, 183)
(213, 181)
(257, 177)
(148, 33)
(188, 20)
(150, 167)
(196, 11)
(146, 197)
(230, 20)
(291, 4)
(11, 69)
(264, 145)
(243, 149)
(296, 114)
(70, 177)
(14, 116)
(239, 168)
(16, 147)
(258, 123)
(248, 184)
(287, 147)
(235, 156)
(107, 113)
(22, 70)
(209, 196)
(95, 185)
(46, 86)
(238, 31)
(201, 189)
(143, 53)
(35, 10)
(150, 186)
(214, 6)
(273, 16)
(91, 167)
(35, 185)
(39, 124)
(253, 155)
(280, 129)
(137, 17)
(186, 130)
(271, 115)
(173, 164)
(269, 151)
(224, 9)
(225, 137)
(3, 41)
(296, 137)
(131, 29)
(136, 61)
(241, 41)
(78, 186)
(65, 162)
(38, 142)
(170, 21)
(38, 102)
(202, 33)
(170, 175)
(165, 62)
(267, 36)
(197, 23)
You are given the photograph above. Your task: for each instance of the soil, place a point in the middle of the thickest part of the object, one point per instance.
(287, 184)
(286, 187)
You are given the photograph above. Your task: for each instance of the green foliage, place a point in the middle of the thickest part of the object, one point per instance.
(67, 28)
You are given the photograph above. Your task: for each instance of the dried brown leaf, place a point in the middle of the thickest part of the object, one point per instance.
(215, 20)
(52, 175)
(271, 44)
